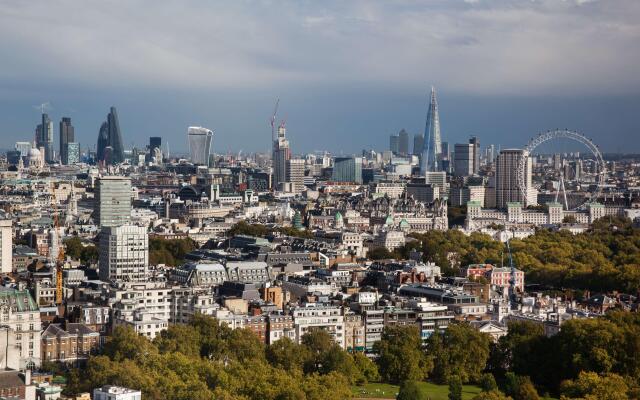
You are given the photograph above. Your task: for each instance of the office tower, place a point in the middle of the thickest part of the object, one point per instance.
(281, 153)
(446, 151)
(489, 153)
(347, 169)
(403, 143)
(113, 201)
(418, 144)
(123, 253)
(467, 158)
(6, 246)
(420, 191)
(475, 142)
(295, 173)
(23, 148)
(463, 159)
(155, 142)
(507, 190)
(557, 162)
(72, 153)
(432, 153)
(394, 144)
(200, 140)
(67, 135)
(44, 137)
(13, 157)
(437, 179)
(110, 148)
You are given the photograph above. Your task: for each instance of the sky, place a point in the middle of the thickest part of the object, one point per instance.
(347, 73)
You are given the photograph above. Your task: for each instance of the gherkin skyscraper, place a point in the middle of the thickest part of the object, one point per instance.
(432, 151)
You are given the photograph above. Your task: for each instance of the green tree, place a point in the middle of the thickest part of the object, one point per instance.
(492, 395)
(379, 253)
(286, 354)
(400, 357)
(488, 382)
(410, 390)
(592, 386)
(455, 388)
(461, 350)
(368, 369)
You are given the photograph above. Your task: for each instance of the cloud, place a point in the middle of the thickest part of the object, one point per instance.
(487, 46)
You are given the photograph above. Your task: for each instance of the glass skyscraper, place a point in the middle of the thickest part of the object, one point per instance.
(44, 137)
(347, 169)
(432, 152)
(110, 147)
(67, 135)
(199, 144)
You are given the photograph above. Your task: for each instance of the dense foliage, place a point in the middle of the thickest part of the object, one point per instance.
(259, 230)
(605, 258)
(204, 360)
(607, 347)
(169, 251)
(75, 249)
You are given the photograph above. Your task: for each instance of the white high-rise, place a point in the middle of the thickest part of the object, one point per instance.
(507, 190)
(200, 140)
(6, 245)
(124, 253)
(113, 201)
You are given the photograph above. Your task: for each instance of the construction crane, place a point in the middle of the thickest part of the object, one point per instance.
(512, 279)
(60, 256)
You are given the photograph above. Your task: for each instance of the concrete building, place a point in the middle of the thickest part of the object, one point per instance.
(315, 316)
(295, 173)
(116, 393)
(67, 345)
(463, 159)
(507, 190)
(389, 239)
(423, 192)
(6, 246)
(113, 201)
(124, 253)
(20, 334)
(347, 169)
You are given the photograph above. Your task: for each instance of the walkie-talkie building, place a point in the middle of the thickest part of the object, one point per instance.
(199, 144)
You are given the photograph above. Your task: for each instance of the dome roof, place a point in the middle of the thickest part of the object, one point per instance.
(34, 153)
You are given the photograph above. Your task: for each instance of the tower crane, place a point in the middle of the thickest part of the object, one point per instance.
(512, 279)
(60, 256)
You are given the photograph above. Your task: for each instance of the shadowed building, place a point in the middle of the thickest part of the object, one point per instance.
(110, 137)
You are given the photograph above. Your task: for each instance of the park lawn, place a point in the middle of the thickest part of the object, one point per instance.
(433, 391)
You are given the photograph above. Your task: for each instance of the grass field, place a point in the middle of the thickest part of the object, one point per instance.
(433, 391)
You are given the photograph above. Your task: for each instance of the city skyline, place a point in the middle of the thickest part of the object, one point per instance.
(503, 84)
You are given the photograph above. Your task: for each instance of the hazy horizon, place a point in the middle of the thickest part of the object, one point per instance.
(348, 74)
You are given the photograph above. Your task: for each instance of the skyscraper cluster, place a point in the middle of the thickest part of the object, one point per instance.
(110, 148)
(44, 137)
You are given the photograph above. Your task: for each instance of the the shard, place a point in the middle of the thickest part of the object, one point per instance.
(432, 151)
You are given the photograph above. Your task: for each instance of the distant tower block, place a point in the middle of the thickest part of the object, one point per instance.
(200, 140)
